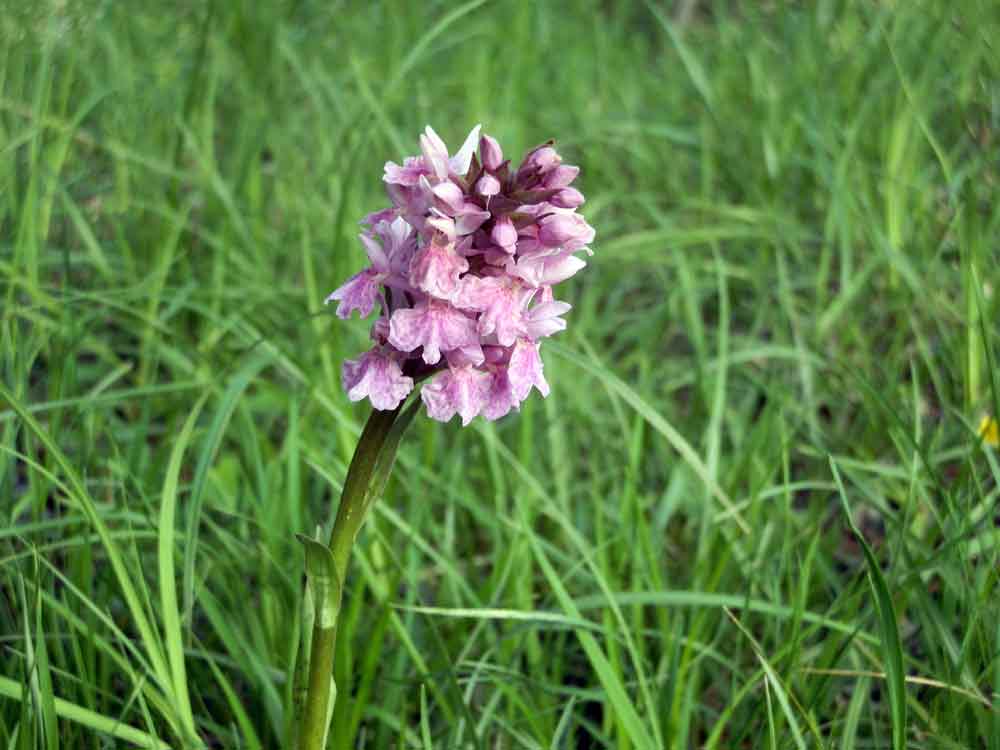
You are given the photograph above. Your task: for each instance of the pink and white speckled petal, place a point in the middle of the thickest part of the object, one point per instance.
(360, 292)
(377, 376)
(544, 319)
(436, 270)
(460, 390)
(500, 303)
(470, 218)
(500, 398)
(437, 399)
(376, 217)
(455, 329)
(408, 175)
(406, 328)
(434, 326)
(376, 254)
(503, 319)
(545, 270)
(525, 370)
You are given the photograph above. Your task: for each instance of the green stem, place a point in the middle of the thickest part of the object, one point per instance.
(354, 500)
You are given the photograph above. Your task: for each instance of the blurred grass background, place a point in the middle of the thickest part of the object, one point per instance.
(794, 283)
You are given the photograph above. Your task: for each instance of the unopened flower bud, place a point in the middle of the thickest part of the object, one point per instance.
(488, 185)
(490, 153)
(504, 234)
(567, 198)
(543, 159)
(560, 177)
(450, 193)
(564, 229)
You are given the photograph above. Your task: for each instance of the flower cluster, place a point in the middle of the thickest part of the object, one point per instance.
(463, 264)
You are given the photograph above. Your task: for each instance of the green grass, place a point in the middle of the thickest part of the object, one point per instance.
(790, 317)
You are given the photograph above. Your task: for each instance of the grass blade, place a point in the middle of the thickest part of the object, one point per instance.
(90, 719)
(172, 634)
(661, 425)
(210, 447)
(83, 500)
(892, 647)
(622, 705)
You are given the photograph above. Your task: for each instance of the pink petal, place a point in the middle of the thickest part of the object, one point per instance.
(407, 175)
(500, 304)
(399, 242)
(500, 398)
(396, 233)
(377, 376)
(525, 370)
(411, 202)
(437, 400)
(470, 218)
(472, 354)
(436, 270)
(386, 214)
(544, 319)
(434, 325)
(360, 292)
(461, 390)
(380, 261)
(435, 152)
(546, 269)
(442, 223)
(450, 194)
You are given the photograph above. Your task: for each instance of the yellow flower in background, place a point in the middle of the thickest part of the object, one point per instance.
(989, 431)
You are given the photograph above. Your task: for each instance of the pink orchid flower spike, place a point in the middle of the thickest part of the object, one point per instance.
(462, 266)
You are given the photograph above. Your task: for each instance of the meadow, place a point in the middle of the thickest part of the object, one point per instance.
(755, 511)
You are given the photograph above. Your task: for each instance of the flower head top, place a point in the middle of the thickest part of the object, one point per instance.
(462, 266)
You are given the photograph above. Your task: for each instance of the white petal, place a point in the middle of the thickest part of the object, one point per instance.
(460, 162)
(551, 309)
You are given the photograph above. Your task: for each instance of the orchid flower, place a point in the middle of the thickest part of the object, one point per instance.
(463, 264)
